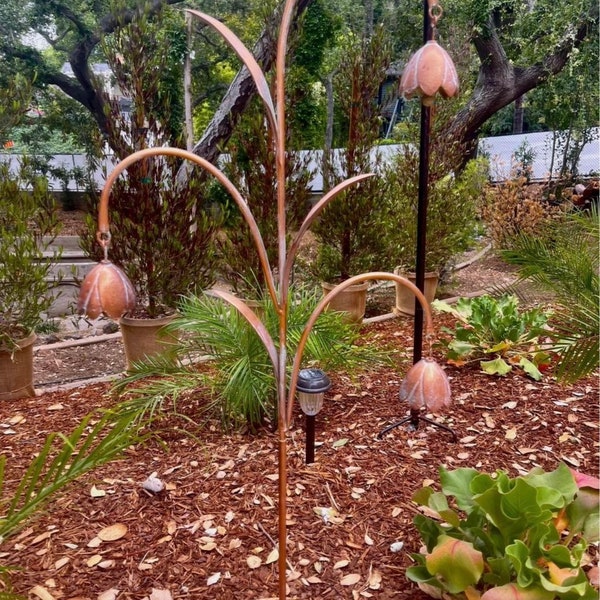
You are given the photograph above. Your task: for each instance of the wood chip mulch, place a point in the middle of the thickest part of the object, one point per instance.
(210, 534)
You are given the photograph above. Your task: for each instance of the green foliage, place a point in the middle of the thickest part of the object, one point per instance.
(562, 259)
(451, 211)
(504, 535)
(241, 376)
(162, 233)
(495, 329)
(251, 169)
(28, 225)
(349, 228)
(98, 439)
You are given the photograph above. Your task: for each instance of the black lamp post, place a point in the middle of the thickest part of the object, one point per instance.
(312, 385)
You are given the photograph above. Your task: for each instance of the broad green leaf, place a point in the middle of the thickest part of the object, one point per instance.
(457, 483)
(495, 367)
(530, 368)
(455, 563)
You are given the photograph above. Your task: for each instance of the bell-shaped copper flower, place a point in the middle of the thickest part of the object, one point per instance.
(106, 290)
(429, 71)
(426, 384)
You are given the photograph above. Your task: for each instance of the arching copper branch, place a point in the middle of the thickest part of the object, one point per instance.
(103, 234)
(376, 275)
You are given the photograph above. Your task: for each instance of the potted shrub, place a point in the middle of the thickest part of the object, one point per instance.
(496, 536)
(251, 168)
(161, 236)
(451, 215)
(28, 226)
(349, 229)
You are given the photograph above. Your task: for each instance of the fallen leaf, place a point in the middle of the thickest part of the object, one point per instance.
(94, 542)
(340, 443)
(253, 561)
(368, 540)
(41, 592)
(273, 556)
(113, 532)
(375, 580)
(61, 562)
(511, 433)
(340, 564)
(92, 561)
(157, 594)
(110, 594)
(350, 579)
(214, 578)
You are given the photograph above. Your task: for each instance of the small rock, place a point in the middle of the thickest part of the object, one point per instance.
(153, 485)
(110, 327)
(52, 339)
(396, 546)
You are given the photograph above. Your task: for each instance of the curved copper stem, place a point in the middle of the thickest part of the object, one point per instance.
(376, 275)
(103, 221)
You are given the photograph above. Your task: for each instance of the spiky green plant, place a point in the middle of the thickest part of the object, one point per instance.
(563, 260)
(242, 378)
(97, 440)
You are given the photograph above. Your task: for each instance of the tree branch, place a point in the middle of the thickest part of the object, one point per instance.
(499, 82)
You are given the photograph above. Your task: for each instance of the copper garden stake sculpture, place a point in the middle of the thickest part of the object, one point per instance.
(116, 299)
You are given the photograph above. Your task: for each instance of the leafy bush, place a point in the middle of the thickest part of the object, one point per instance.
(515, 207)
(451, 213)
(521, 538)
(494, 327)
(28, 225)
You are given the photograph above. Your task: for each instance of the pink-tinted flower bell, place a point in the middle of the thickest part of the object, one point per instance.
(106, 290)
(426, 385)
(429, 71)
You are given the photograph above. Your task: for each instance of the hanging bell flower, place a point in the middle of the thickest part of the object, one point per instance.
(106, 290)
(429, 71)
(426, 385)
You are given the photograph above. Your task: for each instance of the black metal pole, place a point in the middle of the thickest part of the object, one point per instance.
(421, 248)
(310, 439)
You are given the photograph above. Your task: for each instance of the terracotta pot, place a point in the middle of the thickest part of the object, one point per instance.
(145, 338)
(352, 300)
(16, 370)
(405, 299)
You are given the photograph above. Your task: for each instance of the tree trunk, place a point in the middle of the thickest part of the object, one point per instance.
(500, 82)
(518, 116)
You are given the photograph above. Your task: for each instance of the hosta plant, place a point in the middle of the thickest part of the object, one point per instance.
(497, 333)
(521, 538)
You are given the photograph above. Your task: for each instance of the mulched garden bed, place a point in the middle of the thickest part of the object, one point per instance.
(211, 532)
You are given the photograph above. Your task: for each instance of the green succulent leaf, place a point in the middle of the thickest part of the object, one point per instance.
(456, 563)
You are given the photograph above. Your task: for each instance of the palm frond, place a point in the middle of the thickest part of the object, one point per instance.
(563, 260)
(90, 444)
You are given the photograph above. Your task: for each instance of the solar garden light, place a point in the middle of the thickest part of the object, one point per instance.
(312, 385)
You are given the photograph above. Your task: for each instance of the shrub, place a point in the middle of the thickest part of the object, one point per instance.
(515, 207)
(241, 378)
(451, 213)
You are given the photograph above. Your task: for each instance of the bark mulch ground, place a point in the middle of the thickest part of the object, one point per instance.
(211, 532)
